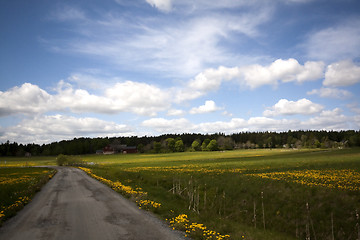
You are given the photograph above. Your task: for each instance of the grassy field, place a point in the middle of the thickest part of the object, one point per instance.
(247, 194)
(17, 187)
(27, 162)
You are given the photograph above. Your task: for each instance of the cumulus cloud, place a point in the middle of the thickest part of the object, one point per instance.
(286, 107)
(330, 93)
(162, 125)
(208, 107)
(325, 120)
(26, 99)
(270, 124)
(328, 120)
(162, 5)
(254, 76)
(343, 73)
(234, 125)
(45, 129)
(135, 97)
(175, 112)
(140, 98)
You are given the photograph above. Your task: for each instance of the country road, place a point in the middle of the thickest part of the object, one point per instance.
(72, 205)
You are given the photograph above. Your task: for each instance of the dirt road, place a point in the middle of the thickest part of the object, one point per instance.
(74, 206)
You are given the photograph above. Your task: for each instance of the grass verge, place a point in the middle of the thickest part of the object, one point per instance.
(18, 186)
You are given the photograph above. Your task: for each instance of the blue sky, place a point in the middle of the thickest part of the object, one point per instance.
(148, 67)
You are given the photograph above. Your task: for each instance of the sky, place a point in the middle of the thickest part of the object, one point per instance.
(91, 68)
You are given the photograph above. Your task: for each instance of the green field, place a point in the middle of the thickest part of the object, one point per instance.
(27, 162)
(247, 194)
(17, 187)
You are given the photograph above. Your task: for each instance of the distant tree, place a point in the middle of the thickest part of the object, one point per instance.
(196, 145)
(212, 146)
(179, 146)
(205, 144)
(225, 143)
(170, 144)
(140, 147)
(157, 147)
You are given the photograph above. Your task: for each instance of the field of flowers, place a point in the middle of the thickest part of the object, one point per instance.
(180, 222)
(250, 194)
(18, 186)
(345, 179)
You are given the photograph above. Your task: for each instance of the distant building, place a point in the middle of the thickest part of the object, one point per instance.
(108, 150)
(117, 148)
(99, 151)
(129, 149)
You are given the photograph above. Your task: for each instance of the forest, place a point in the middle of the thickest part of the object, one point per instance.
(190, 142)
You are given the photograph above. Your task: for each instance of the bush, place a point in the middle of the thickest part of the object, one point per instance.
(63, 160)
(212, 146)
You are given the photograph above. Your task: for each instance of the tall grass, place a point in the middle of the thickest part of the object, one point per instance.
(224, 190)
(18, 186)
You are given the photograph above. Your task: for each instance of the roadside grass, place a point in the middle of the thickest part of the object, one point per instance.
(17, 187)
(246, 194)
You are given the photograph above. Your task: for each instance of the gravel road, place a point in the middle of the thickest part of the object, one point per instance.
(74, 206)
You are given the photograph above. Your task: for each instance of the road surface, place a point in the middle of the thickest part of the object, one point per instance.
(75, 206)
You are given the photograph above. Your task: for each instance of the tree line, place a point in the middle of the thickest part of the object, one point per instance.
(191, 142)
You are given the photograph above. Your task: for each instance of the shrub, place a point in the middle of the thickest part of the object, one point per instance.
(62, 160)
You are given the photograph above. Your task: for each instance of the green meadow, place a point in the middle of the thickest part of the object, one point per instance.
(247, 194)
(17, 187)
(243, 194)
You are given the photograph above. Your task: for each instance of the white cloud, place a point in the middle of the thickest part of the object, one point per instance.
(45, 129)
(330, 93)
(234, 125)
(140, 98)
(281, 70)
(333, 43)
(26, 99)
(269, 124)
(325, 120)
(226, 113)
(328, 120)
(208, 107)
(255, 76)
(286, 107)
(162, 5)
(162, 125)
(135, 97)
(161, 45)
(175, 112)
(343, 73)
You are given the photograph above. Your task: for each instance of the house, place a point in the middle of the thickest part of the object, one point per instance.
(100, 151)
(120, 148)
(108, 150)
(129, 149)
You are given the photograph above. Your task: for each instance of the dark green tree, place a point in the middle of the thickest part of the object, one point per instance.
(196, 145)
(212, 146)
(179, 146)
